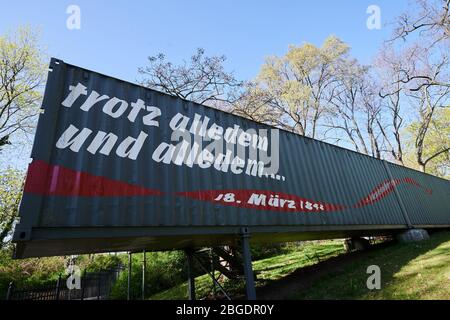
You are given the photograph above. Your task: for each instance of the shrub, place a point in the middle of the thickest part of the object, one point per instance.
(164, 270)
(28, 272)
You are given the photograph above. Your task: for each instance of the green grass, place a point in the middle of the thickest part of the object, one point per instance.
(202, 287)
(275, 268)
(267, 270)
(408, 271)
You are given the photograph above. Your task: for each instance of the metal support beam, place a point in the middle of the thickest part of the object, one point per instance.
(144, 270)
(82, 280)
(191, 278)
(10, 291)
(129, 277)
(213, 272)
(99, 286)
(248, 270)
(58, 287)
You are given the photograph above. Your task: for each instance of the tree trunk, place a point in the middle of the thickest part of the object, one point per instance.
(422, 167)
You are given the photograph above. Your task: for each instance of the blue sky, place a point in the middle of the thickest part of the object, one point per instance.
(117, 36)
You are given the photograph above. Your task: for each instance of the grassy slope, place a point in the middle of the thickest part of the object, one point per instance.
(270, 269)
(408, 271)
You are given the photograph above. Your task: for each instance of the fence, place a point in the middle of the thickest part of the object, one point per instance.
(94, 285)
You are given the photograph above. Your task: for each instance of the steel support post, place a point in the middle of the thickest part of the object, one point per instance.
(144, 270)
(10, 291)
(191, 278)
(211, 255)
(129, 277)
(248, 269)
(58, 287)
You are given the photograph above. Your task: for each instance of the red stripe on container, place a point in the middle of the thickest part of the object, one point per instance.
(53, 180)
(273, 201)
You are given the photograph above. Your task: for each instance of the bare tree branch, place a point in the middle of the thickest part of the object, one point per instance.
(202, 79)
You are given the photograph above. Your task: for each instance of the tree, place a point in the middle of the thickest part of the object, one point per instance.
(415, 78)
(355, 108)
(11, 181)
(429, 28)
(430, 19)
(254, 105)
(203, 79)
(299, 84)
(411, 79)
(429, 101)
(21, 76)
(436, 156)
(391, 67)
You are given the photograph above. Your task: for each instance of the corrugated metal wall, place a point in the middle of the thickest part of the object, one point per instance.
(312, 170)
(428, 202)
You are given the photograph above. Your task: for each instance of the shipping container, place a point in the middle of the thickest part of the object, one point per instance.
(117, 166)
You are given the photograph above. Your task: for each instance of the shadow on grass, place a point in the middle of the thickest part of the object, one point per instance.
(344, 276)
